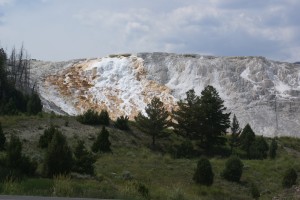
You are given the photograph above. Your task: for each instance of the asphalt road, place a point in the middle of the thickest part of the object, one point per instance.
(7, 197)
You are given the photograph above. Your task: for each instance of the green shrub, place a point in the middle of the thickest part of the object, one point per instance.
(91, 117)
(84, 160)
(184, 150)
(273, 149)
(34, 104)
(289, 178)
(122, 123)
(204, 174)
(58, 157)
(233, 169)
(259, 149)
(46, 138)
(102, 142)
(2, 138)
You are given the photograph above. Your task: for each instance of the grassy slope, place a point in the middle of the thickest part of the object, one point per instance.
(164, 177)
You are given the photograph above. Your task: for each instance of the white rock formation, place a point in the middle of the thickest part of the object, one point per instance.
(263, 93)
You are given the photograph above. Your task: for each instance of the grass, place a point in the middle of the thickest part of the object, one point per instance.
(133, 171)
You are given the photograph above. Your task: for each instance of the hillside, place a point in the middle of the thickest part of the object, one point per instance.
(131, 165)
(261, 92)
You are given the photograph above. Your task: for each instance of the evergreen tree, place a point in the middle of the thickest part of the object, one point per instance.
(34, 104)
(273, 149)
(235, 132)
(14, 152)
(104, 117)
(204, 174)
(259, 149)
(247, 137)
(214, 122)
(46, 138)
(122, 123)
(233, 169)
(2, 138)
(155, 121)
(84, 160)
(102, 142)
(58, 158)
(188, 117)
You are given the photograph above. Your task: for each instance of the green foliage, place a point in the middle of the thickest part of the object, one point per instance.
(247, 137)
(102, 142)
(289, 178)
(92, 117)
(233, 169)
(16, 161)
(184, 150)
(84, 160)
(235, 133)
(58, 159)
(2, 138)
(46, 138)
(104, 118)
(204, 174)
(34, 104)
(202, 118)
(155, 121)
(273, 149)
(259, 149)
(254, 191)
(122, 123)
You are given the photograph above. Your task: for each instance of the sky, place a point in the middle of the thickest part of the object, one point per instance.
(57, 30)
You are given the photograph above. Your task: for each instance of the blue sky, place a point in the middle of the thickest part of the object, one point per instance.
(66, 29)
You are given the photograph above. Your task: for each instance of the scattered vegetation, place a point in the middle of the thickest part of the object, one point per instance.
(122, 123)
(91, 117)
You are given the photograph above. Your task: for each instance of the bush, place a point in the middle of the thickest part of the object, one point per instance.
(204, 174)
(2, 138)
(254, 191)
(233, 169)
(184, 150)
(122, 123)
(84, 160)
(34, 104)
(102, 142)
(58, 157)
(289, 178)
(46, 138)
(273, 149)
(91, 117)
(259, 149)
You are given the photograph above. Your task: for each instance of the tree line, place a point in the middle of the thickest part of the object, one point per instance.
(16, 93)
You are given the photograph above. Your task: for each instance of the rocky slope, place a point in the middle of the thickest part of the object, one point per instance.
(263, 93)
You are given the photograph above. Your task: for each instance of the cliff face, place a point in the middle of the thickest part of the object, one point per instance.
(263, 93)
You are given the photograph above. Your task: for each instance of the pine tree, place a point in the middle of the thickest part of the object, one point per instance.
(204, 174)
(59, 158)
(102, 142)
(247, 137)
(122, 123)
(34, 104)
(104, 118)
(187, 117)
(235, 132)
(214, 122)
(84, 160)
(259, 149)
(2, 138)
(155, 121)
(14, 152)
